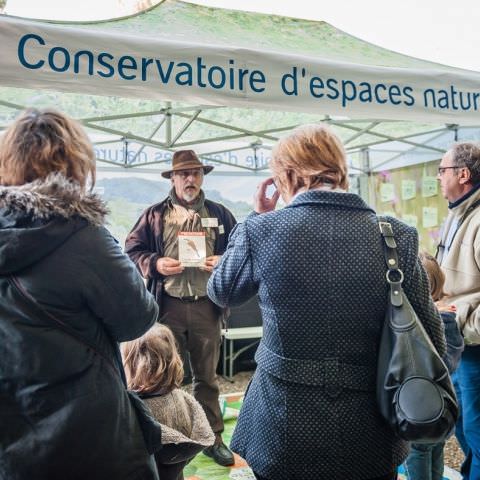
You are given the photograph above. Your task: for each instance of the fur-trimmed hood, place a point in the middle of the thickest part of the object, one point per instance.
(54, 196)
(37, 217)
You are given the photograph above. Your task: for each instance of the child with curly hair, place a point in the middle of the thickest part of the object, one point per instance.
(154, 371)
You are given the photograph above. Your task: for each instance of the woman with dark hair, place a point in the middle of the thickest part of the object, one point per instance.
(319, 270)
(67, 296)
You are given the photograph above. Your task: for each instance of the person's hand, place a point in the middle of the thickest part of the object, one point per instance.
(445, 307)
(210, 263)
(261, 203)
(169, 266)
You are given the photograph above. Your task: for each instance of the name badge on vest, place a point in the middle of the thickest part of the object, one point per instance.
(192, 248)
(209, 222)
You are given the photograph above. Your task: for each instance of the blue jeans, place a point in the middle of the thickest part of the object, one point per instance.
(425, 461)
(467, 384)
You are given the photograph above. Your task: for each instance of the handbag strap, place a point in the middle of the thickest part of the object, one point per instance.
(59, 324)
(394, 275)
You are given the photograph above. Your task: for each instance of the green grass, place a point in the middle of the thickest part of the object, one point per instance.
(203, 467)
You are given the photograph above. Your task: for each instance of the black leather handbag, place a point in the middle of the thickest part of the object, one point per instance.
(414, 390)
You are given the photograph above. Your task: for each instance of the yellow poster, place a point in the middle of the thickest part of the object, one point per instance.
(387, 192)
(429, 186)
(411, 220)
(430, 217)
(409, 189)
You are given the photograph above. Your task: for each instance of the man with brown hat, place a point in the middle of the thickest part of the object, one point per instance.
(175, 244)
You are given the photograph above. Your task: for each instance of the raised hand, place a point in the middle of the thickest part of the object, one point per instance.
(262, 203)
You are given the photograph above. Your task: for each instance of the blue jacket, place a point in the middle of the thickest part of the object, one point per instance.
(319, 270)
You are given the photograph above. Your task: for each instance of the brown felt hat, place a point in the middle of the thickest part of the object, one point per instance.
(186, 160)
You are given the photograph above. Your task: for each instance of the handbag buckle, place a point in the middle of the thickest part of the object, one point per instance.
(392, 281)
(387, 233)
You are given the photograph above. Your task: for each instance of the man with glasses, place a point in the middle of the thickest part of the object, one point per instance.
(459, 256)
(175, 244)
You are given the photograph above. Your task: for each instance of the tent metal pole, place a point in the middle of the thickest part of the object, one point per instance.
(185, 127)
(123, 116)
(168, 125)
(245, 132)
(15, 106)
(152, 113)
(389, 137)
(361, 132)
(398, 155)
(260, 133)
(131, 136)
(157, 128)
(400, 139)
(125, 152)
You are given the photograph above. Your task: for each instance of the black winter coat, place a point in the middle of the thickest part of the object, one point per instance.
(64, 411)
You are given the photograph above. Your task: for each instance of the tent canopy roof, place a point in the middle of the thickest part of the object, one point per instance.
(224, 125)
(175, 20)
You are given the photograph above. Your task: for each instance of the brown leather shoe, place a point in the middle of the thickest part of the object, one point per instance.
(220, 453)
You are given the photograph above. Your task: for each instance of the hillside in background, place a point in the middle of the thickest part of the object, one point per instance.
(133, 189)
(127, 197)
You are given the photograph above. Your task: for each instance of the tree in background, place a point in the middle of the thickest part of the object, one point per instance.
(3, 4)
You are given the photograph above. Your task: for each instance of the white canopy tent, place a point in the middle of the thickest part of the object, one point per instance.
(229, 83)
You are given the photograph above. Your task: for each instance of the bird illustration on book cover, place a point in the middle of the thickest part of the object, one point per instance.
(192, 245)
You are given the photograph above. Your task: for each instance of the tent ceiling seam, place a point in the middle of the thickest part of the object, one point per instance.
(398, 155)
(391, 138)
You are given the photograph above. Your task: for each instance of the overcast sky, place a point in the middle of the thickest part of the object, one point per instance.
(444, 31)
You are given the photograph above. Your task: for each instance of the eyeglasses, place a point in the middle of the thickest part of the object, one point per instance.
(184, 174)
(441, 170)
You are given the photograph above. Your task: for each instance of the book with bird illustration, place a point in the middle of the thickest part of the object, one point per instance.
(192, 248)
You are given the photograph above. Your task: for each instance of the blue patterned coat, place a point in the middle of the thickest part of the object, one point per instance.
(319, 270)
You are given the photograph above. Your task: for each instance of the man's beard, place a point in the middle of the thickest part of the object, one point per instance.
(189, 196)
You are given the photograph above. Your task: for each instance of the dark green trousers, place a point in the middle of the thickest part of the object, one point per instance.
(197, 329)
